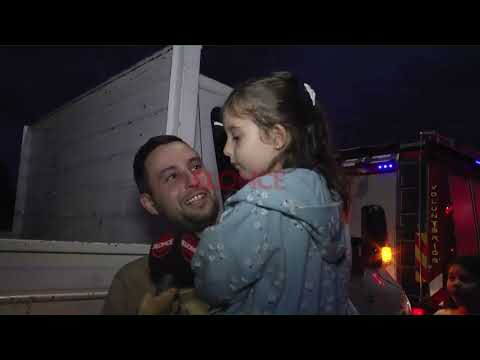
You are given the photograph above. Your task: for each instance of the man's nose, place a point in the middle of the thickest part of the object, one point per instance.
(192, 179)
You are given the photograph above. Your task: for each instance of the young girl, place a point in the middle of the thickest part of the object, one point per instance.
(463, 286)
(280, 246)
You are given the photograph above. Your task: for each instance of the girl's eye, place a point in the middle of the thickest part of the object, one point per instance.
(235, 138)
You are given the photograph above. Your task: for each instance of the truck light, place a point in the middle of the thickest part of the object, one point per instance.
(448, 210)
(386, 255)
(386, 166)
(418, 311)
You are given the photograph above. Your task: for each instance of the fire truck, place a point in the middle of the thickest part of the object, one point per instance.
(429, 193)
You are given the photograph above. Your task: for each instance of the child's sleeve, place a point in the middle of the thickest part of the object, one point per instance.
(231, 255)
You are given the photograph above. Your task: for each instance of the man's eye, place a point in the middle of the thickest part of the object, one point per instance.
(197, 167)
(170, 177)
(235, 138)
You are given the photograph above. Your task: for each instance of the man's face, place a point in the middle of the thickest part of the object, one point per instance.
(180, 188)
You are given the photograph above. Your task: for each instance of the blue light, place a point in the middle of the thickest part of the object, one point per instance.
(477, 162)
(391, 165)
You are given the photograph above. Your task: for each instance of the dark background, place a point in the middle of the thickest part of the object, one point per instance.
(372, 94)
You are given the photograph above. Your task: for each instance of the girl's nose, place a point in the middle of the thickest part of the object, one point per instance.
(227, 150)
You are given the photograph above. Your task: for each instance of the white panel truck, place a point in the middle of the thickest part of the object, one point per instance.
(77, 215)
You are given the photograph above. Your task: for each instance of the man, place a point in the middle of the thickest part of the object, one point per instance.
(172, 183)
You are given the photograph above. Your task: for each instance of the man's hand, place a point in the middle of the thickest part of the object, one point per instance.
(163, 304)
(191, 304)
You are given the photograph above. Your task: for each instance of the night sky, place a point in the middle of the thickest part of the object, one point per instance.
(372, 94)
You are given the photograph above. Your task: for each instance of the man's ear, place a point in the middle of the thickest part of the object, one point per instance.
(147, 203)
(280, 137)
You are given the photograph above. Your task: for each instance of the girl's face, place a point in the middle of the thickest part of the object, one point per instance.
(461, 284)
(247, 152)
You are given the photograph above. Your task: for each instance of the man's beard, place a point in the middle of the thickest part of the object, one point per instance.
(198, 222)
(192, 221)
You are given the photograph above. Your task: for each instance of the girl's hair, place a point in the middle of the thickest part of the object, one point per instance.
(282, 99)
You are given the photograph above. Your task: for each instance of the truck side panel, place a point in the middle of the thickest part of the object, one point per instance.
(58, 277)
(464, 215)
(80, 184)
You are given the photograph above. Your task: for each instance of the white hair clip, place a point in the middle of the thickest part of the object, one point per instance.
(310, 92)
